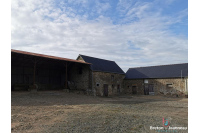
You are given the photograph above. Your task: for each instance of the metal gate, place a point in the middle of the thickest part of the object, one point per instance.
(148, 89)
(151, 89)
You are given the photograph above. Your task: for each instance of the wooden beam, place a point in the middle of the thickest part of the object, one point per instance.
(66, 76)
(34, 69)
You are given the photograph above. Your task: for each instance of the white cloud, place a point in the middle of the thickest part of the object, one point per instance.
(39, 26)
(101, 7)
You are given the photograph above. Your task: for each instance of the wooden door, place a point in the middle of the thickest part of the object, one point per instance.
(118, 89)
(105, 92)
(134, 89)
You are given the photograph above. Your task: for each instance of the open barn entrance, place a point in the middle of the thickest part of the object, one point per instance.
(30, 71)
(134, 89)
(105, 89)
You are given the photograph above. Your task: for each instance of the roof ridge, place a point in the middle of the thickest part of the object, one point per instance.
(96, 58)
(158, 65)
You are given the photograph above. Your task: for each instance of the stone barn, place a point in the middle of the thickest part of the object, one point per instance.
(32, 71)
(106, 76)
(154, 80)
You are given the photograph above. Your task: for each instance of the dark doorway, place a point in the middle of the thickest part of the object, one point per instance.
(134, 89)
(118, 89)
(105, 91)
(146, 89)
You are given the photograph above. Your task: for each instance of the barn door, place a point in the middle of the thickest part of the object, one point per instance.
(134, 90)
(151, 89)
(105, 91)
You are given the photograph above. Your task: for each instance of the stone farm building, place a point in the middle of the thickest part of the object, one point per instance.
(107, 77)
(31, 71)
(155, 80)
(94, 76)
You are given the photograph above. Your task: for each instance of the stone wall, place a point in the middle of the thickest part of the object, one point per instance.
(169, 86)
(79, 74)
(134, 82)
(111, 79)
(80, 58)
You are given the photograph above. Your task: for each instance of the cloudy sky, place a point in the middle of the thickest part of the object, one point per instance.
(133, 33)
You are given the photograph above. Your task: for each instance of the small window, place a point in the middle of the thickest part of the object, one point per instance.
(97, 84)
(169, 85)
(113, 85)
(146, 81)
(112, 77)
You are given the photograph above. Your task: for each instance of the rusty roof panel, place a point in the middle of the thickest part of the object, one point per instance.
(46, 56)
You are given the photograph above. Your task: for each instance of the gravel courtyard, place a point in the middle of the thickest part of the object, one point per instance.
(61, 112)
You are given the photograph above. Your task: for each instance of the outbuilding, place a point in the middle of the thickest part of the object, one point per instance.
(106, 76)
(154, 80)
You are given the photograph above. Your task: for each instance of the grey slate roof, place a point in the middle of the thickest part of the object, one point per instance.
(164, 71)
(102, 65)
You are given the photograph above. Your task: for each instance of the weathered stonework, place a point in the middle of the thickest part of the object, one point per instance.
(97, 80)
(135, 82)
(80, 59)
(169, 86)
(113, 81)
(80, 76)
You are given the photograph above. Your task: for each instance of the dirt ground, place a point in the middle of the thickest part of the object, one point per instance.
(61, 112)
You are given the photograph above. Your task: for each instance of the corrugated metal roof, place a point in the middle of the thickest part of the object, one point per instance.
(103, 65)
(163, 71)
(46, 56)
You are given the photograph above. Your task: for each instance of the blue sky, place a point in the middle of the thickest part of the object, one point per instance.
(131, 32)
